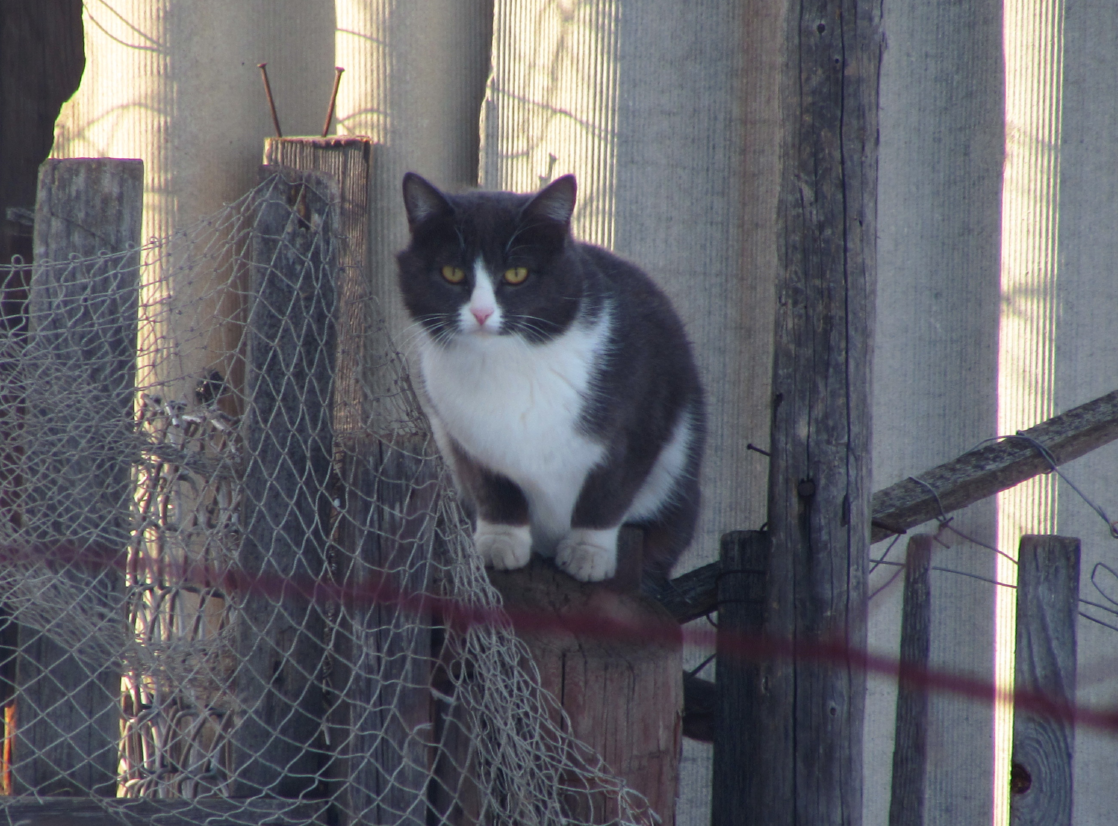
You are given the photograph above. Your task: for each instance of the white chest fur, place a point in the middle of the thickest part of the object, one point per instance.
(515, 406)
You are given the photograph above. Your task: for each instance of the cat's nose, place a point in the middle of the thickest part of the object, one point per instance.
(481, 314)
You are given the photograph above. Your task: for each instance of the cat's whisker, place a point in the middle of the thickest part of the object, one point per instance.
(414, 333)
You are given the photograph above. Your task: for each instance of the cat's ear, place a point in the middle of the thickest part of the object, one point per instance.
(423, 200)
(555, 202)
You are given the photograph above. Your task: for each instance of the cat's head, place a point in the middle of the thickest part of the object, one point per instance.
(490, 263)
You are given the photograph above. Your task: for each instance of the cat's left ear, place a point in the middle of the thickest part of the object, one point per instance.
(423, 200)
(555, 202)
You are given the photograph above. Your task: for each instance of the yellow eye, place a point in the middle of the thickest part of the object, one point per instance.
(516, 275)
(454, 275)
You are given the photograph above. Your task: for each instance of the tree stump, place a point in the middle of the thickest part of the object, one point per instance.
(624, 699)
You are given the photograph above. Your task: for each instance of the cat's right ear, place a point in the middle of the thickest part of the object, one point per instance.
(423, 200)
(555, 202)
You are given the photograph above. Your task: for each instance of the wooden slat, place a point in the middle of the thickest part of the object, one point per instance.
(82, 349)
(987, 470)
(692, 595)
(1044, 745)
(910, 748)
(963, 481)
(288, 455)
(738, 721)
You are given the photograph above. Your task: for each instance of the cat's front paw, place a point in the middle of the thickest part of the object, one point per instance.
(504, 547)
(588, 555)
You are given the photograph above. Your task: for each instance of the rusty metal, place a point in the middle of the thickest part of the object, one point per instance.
(333, 99)
(271, 103)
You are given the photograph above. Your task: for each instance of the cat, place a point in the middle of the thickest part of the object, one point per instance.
(560, 384)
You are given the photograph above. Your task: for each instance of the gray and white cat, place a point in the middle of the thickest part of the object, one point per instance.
(559, 381)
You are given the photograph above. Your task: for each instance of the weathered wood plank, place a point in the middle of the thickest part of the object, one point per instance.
(963, 481)
(738, 721)
(1044, 745)
(819, 490)
(288, 461)
(987, 470)
(691, 595)
(910, 749)
(82, 352)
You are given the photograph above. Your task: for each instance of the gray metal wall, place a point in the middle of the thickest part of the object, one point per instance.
(936, 361)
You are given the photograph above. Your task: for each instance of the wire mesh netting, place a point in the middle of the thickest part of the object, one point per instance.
(235, 579)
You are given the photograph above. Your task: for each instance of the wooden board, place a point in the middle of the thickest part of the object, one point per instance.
(738, 764)
(286, 508)
(967, 479)
(83, 320)
(1044, 744)
(910, 745)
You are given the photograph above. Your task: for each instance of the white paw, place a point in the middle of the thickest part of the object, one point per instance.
(504, 547)
(588, 555)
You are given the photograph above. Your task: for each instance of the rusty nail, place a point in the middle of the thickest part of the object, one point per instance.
(263, 67)
(333, 99)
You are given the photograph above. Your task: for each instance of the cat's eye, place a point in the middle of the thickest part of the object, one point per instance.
(454, 275)
(516, 275)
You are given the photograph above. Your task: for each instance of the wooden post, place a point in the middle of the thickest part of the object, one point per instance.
(286, 510)
(819, 472)
(624, 700)
(348, 161)
(910, 748)
(1043, 745)
(82, 357)
(738, 723)
(382, 666)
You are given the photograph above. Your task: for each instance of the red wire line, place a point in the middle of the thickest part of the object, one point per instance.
(381, 589)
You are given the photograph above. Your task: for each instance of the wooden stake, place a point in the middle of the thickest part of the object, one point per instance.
(1043, 746)
(738, 725)
(910, 748)
(381, 669)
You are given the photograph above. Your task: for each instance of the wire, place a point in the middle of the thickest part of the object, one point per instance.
(1048, 457)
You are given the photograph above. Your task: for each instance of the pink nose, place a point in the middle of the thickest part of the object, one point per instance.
(482, 315)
